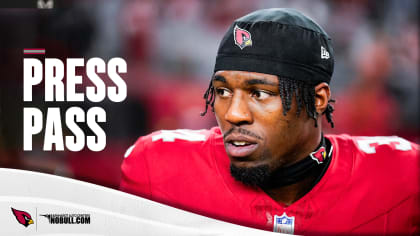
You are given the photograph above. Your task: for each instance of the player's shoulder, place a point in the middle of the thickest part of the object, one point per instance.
(379, 147)
(384, 161)
(385, 151)
(381, 175)
(179, 142)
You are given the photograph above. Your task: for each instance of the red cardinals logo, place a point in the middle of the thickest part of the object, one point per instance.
(242, 37)
(319, 155)
(23, 217)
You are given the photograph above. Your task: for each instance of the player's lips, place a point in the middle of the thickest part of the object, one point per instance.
(240, 145)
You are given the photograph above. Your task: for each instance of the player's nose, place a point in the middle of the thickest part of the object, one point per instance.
(238, 112)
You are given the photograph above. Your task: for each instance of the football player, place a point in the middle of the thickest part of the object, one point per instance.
(268, 164)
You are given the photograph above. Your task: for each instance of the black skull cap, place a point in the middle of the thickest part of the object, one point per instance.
(277, 41)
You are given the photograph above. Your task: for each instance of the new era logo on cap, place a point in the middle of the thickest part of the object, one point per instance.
(324, 53)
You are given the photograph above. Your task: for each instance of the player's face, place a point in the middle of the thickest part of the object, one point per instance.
(249, 111)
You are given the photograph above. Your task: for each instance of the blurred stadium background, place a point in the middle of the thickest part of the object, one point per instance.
(170, 48)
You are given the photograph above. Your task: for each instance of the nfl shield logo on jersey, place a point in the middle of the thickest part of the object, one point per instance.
(284, 224)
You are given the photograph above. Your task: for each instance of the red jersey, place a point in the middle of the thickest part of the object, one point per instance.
(370, 187)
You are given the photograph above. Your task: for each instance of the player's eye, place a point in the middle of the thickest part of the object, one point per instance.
(223, 92)
(260, 94)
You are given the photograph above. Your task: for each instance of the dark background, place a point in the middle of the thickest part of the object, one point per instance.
(170, 48)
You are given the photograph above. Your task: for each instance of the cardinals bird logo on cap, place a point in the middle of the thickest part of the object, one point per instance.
(23, 217)
(242, 37)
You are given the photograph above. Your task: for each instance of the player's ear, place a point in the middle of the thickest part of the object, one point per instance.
(322, 96)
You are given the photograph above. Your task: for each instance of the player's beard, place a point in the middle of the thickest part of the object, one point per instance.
(252, 176)
(257, 176)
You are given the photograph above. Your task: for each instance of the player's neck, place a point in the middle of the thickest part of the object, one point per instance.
(291, 193)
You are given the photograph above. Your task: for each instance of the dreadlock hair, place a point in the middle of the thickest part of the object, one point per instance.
(305, 96)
